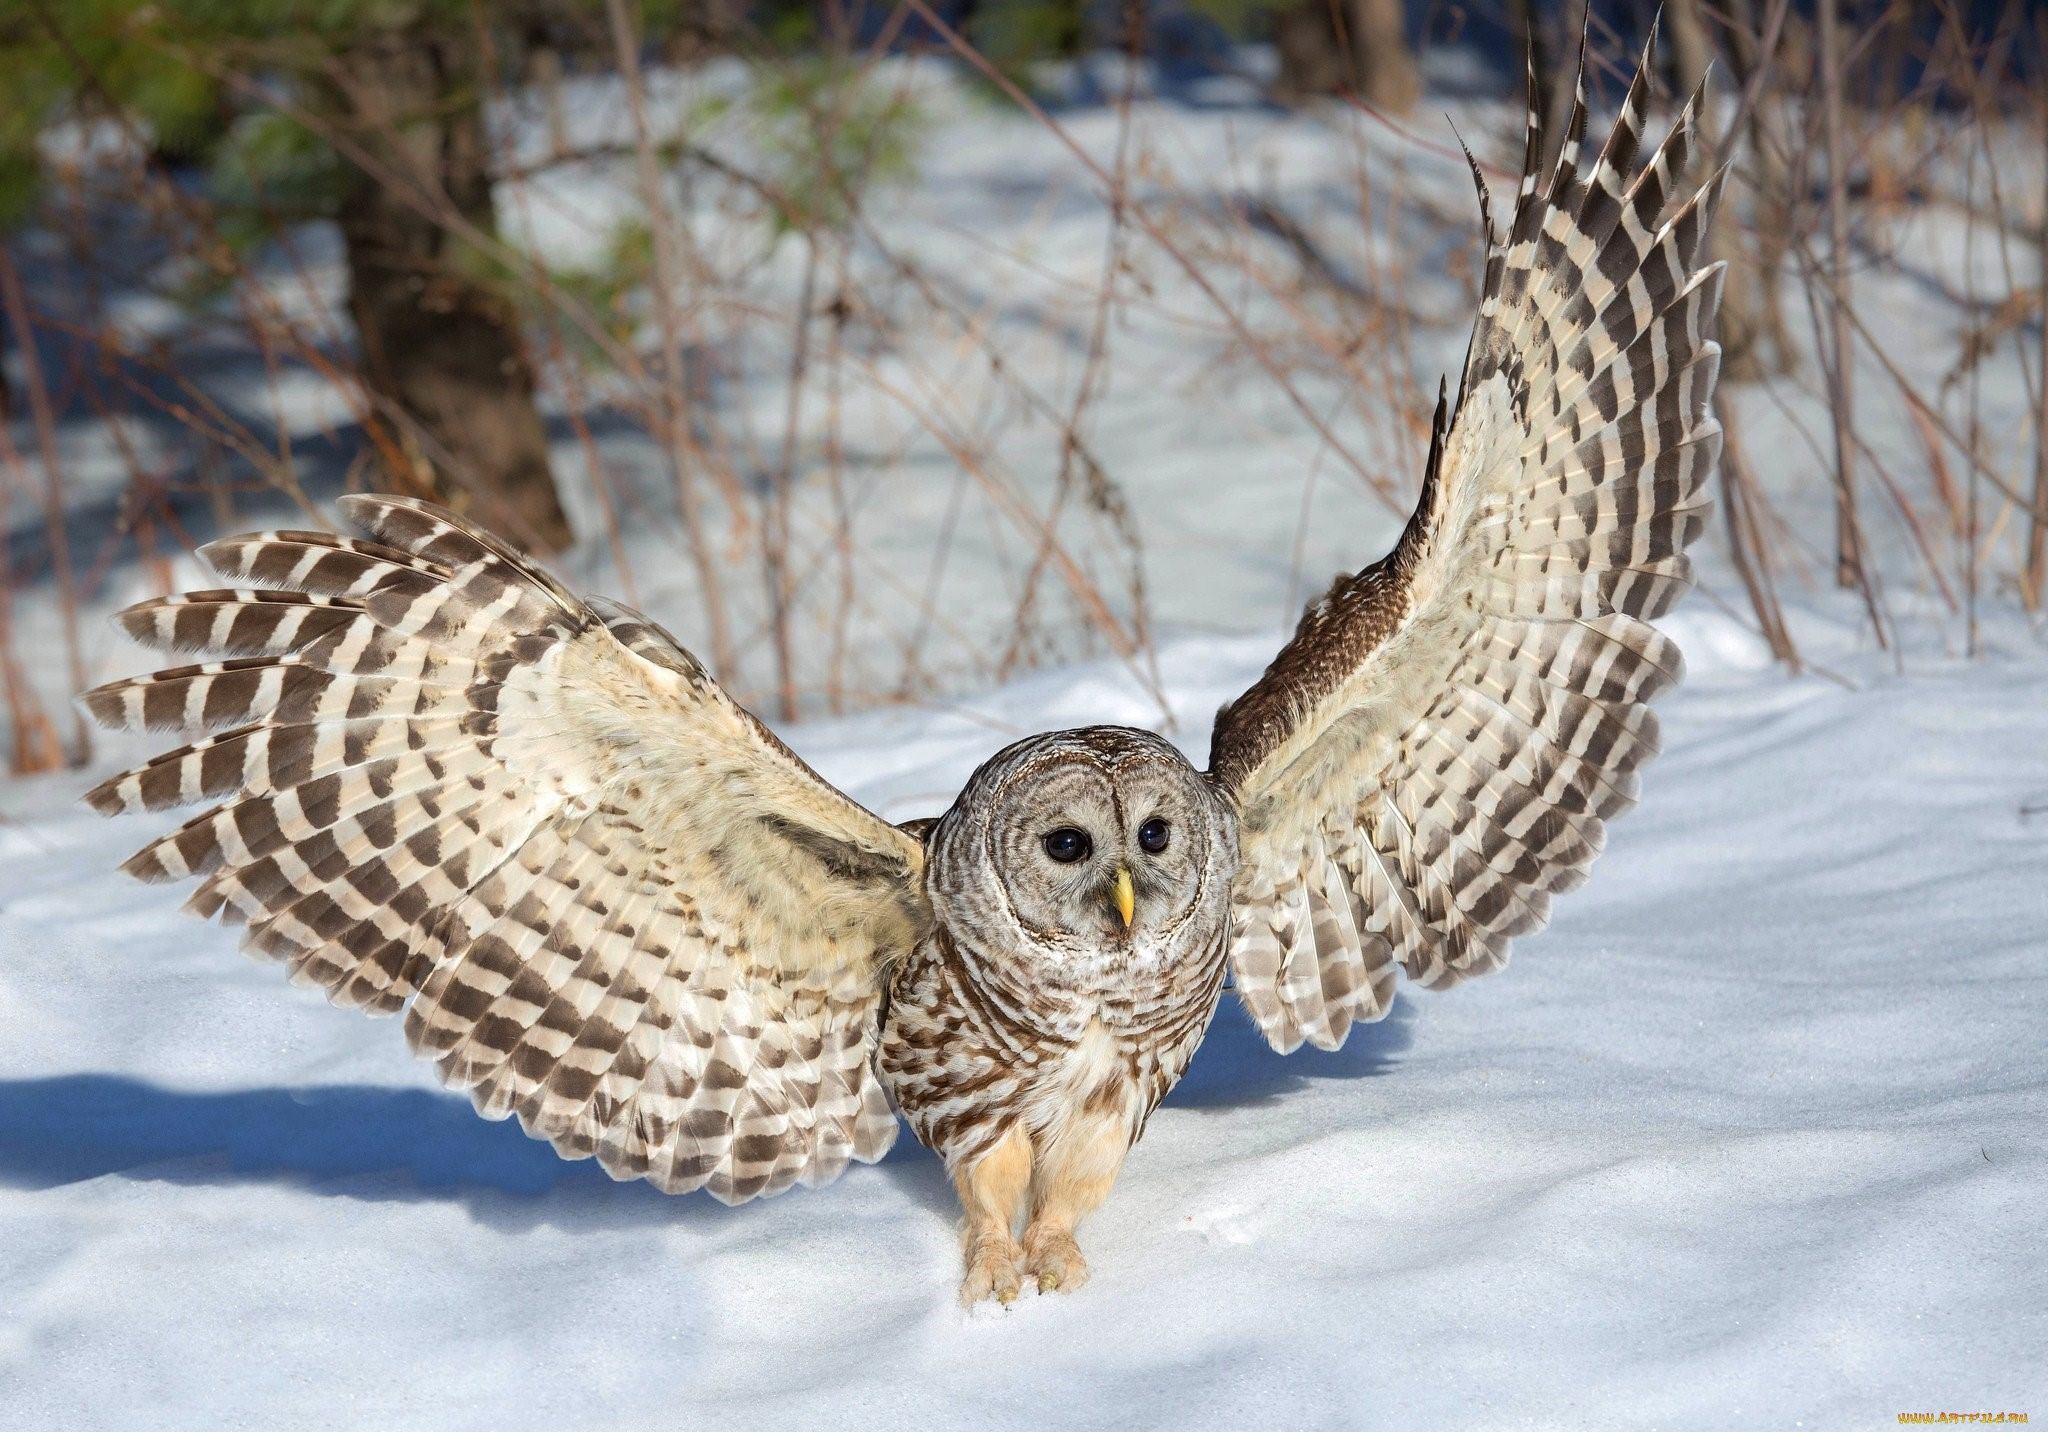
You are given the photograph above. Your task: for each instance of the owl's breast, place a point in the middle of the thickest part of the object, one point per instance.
(972, 1046)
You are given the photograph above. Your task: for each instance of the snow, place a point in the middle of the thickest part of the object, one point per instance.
(1752, 1135)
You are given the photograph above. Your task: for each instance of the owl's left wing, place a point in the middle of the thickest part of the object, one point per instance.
(617, 906)
(1435, 753)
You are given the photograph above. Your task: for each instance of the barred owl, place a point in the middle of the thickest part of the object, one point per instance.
(613, 904)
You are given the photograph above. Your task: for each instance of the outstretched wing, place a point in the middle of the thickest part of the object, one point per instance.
(618, 907)
(1434, 754)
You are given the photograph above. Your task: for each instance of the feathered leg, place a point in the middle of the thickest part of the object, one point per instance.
(992, 1190)
(1073, 1176)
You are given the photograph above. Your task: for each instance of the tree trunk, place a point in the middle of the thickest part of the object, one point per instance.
(1754, 340)
(706, 30)
(441, 347)
(544, 73)
(1347, 46)
(1690, 44)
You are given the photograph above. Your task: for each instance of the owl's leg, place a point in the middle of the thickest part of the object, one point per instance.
(1075, 1172)
(992, 1190)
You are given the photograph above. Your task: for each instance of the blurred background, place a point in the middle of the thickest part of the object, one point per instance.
(885, 351)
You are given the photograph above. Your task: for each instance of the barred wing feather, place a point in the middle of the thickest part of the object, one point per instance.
(616, 906)
(1436, 752)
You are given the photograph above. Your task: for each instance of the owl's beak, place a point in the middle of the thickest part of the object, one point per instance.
(1123, 895)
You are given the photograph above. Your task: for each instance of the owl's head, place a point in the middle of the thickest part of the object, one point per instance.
(1080, 842)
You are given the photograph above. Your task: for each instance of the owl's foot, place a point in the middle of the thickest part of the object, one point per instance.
(994, 1270)
(1053, 1258)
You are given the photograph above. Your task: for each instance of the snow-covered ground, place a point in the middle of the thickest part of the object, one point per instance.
(1753, 1135)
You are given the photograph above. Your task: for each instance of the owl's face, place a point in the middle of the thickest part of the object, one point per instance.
(1084, 842)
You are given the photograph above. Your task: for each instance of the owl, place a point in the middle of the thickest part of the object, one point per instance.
(611, 903)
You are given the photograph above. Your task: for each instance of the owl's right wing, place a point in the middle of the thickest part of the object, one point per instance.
(1436, 752)
(618, 907)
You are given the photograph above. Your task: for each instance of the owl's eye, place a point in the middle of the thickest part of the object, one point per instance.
(1153, 835)
(1067, 845)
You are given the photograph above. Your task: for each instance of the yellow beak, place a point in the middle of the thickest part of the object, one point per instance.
(1126, 898)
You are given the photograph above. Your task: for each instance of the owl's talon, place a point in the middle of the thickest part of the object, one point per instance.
(993, 1271)
(1055, 1260)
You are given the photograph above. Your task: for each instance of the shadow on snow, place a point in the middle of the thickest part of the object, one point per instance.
(1236, 1068)
(374, 1142)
